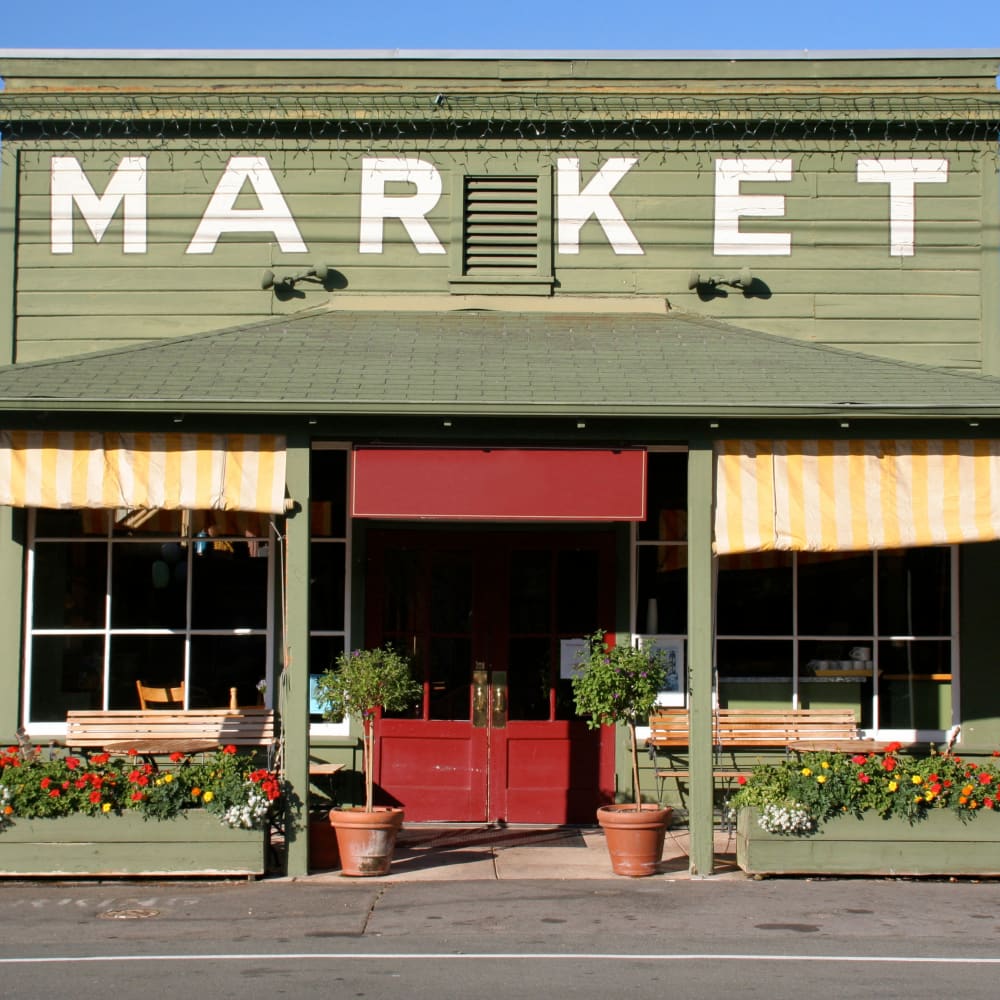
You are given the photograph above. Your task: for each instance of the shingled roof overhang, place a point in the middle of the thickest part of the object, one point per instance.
(493, 364)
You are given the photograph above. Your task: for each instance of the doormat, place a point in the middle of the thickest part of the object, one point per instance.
(497, 837)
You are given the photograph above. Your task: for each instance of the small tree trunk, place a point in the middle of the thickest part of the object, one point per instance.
(368, 737)
(637, 792)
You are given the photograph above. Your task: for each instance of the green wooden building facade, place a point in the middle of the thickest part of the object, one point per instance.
(510, 335)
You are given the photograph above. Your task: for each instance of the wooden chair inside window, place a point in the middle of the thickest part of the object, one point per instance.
(160, 696)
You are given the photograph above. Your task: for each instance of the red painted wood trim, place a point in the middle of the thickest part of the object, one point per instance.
(499, 484)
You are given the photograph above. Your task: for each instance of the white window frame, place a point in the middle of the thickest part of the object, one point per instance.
(40, 730)
(337, 730)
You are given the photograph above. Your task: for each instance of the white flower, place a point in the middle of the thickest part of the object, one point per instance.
(788, 819)
(251, 814)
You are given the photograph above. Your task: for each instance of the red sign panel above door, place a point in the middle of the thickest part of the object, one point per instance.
(499, 484)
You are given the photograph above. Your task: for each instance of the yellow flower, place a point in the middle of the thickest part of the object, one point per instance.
(159, 781)
(917, 780)
(825, 766)
(168, 778)
(820, 778)
(928, 796)
(207, 797)
(893, 786)
(806, 771)
(106, 807)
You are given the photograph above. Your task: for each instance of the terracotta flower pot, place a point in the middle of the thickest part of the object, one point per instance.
(323, 852)
(634, 837)
(366, 839)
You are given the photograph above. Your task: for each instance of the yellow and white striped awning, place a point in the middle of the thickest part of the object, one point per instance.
(829, 496)
(170, 471)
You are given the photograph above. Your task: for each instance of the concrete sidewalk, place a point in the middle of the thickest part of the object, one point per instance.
(439, 853)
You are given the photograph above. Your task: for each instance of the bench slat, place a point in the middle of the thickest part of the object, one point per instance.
(736, 729)
(246, 727)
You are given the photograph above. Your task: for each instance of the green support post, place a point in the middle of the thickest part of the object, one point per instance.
(700, 657)
(295, 687)
(11, 618)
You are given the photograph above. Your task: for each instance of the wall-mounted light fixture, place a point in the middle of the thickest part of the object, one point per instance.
(318, 273)
(705, 283)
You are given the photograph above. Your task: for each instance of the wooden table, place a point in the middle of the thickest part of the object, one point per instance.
(151, 748)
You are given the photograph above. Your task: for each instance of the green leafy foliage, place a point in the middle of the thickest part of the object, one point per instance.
(889, 783)
(617, 683)
(225, 783)
(361, 684)
(364, 681)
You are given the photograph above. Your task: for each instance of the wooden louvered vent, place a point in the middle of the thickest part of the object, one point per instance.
(501, 226)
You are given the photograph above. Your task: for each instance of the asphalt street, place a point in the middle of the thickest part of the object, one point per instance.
(697, 938)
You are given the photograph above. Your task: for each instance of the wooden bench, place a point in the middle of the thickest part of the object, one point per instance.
(736, 729)
(153, 732)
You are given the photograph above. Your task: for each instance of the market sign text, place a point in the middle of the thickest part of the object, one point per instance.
(576, 203)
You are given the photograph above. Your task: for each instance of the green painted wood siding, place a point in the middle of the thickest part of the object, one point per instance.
(839, 285)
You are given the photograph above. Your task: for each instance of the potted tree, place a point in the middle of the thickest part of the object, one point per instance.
(362, 684)
(619, 684)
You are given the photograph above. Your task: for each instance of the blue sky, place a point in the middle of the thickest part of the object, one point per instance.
(772, 25)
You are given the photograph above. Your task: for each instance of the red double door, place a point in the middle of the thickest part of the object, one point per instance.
(486, 616)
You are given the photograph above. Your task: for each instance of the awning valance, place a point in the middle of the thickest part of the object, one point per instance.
(827, 496)
(171, 471)
(499, 484)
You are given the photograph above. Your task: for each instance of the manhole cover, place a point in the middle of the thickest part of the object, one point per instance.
(131, 914)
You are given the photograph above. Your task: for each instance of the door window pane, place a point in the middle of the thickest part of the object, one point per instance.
(531, 591)
(449, 675)
(577, 592)
(529, 678)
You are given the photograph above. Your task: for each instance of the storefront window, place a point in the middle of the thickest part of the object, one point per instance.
(157, 596)
(328, 561)
(871, 631)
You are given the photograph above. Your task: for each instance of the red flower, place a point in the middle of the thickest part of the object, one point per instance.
(984, 778)
(889, 763)
(893, 747)
(864, 778)
(229, 748)
(138, 796)
(100, 758)
(54, 793)
(988, 802)
(95, 797)
(45, 782)
(859, 759)
(72, 763)
(134, 775)
(741, 780)
(177, 756)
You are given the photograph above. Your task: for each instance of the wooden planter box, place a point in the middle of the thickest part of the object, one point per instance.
(193, 843)
(939, 844)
